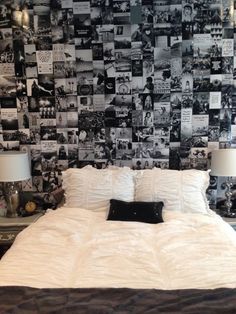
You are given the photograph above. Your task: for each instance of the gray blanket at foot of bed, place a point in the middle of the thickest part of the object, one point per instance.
(22, 300)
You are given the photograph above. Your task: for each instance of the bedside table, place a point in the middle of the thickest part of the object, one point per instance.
(10, 227)
(231, 221)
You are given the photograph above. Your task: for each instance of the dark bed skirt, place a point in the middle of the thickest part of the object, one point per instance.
(25, 300)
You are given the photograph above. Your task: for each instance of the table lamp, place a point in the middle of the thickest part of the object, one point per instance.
(14, 166)
(223, 164)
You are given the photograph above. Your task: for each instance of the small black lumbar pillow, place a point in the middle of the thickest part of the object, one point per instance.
(150, 212)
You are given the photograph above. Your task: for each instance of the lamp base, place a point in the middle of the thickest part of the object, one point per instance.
(11, 214)
(228, 214)
(12, 200)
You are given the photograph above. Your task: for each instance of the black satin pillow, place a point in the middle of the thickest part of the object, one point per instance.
(150, 212)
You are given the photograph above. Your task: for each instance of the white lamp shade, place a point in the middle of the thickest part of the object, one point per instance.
(223, 162)
(14, 166)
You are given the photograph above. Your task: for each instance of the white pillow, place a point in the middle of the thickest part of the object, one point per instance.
(183, 191)
(92, 189)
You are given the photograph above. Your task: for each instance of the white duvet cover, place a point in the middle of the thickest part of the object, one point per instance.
(72, 247)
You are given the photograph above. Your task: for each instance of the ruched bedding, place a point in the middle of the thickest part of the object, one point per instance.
(78, 248)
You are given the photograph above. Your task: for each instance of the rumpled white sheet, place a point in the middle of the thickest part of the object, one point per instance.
(73, 247)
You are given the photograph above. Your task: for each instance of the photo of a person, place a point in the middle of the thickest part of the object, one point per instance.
(50, 181)
(149, 86)
(148, 120)
(148, 103)
(187, 13)
(187, 88)
(148, 15)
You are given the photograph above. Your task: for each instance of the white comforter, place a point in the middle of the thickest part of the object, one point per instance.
(73, 247)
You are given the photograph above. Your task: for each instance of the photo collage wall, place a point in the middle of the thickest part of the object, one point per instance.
(137, 83)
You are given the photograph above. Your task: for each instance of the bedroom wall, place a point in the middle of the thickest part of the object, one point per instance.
(130, 83)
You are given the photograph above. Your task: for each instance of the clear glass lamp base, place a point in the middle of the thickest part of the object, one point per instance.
(12, 200)
(227, 210)
(228, 214)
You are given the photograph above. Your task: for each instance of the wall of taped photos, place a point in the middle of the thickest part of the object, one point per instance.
(138, 83)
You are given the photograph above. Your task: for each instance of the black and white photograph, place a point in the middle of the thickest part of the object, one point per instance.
(225, 125)
(200, 125)
(216, 82)
(143, 134)
(183, 126)
(48, 133)
(161, 114)
(123, 60)
(142, 150)
(62, 136)
(201, 103)
(176, 131)
(7, 86)
(9, 119)
(50, 181)
(213, 133)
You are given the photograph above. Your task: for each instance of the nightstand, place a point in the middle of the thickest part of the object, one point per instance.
(10, 227)
(231, 221)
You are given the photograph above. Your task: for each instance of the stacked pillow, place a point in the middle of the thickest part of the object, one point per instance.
(183, 191)
(93, 189)
(90, 188)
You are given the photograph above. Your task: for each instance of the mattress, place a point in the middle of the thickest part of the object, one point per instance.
(77, 248)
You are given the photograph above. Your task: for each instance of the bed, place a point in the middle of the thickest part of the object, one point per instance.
(74, 260)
